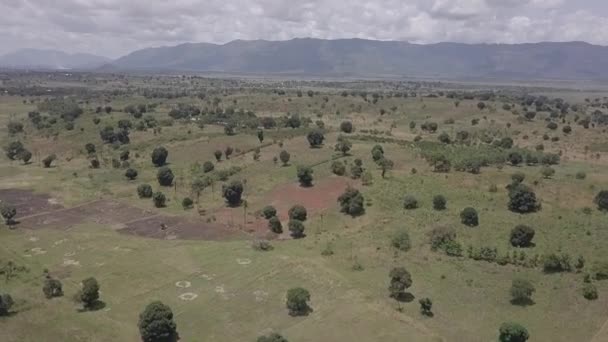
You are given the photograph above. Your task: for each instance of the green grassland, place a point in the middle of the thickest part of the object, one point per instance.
(240, 292)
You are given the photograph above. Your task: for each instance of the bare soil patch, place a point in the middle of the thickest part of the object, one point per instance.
(28, 202)
(36, 211)
(322, 195)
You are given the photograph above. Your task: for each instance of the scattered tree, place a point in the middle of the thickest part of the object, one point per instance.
(273, 337)
(547, 172)
(232, 193)
(296, 227)
(159, 199)
(6, 303)
(352, 202)
(315, 138)
(338, 168)
(269, 211)
(275, 226)
(164, 176)
(410, 202)
(156, 323)
(426, 306)
(52, 288)
(305, 175)
(439, 202)
(131, 174)
(297, 301)
(521, 236)
(521, 292)
(400, 280)
(513, 332)
(144, 191)
(601, 200)
(89, 293)
(284, 156)
(218, 155)
(522, 199)
(346, 127)
(187, 203)
(469, 217)
(298, 212)
(8, 213)
(401, 240)
(208, 167)
(48, 161)
(159, 156)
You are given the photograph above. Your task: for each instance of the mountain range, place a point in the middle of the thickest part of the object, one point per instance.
(357, 57)
(51, 59)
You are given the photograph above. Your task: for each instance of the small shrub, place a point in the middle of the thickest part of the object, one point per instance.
(187, 203)
(269, 211)
(401, 240)
(439, 202)
(590, 292)
(159, 199)
(469, 217)
(275, 226)
(144, 191)
(410, 202)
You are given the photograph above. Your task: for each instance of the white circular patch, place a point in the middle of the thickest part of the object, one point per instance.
(244, 261)
(188, 296)
(183, 284)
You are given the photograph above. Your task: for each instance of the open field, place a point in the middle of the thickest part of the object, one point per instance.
(77, 221)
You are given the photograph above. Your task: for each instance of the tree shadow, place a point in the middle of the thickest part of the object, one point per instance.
(428, 314)
(304, 312)
(96, 306)
(523, 302)
(405, 297)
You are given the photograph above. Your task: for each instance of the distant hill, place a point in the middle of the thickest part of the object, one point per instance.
(51, 59)
(359, 57)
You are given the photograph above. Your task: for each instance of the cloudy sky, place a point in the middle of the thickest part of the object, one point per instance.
(115, 27)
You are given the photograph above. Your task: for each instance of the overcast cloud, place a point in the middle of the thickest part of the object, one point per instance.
(116, 27)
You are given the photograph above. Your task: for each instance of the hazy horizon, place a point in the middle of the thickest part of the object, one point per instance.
(113, 28)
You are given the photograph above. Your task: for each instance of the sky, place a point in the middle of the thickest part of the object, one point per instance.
(114, 28)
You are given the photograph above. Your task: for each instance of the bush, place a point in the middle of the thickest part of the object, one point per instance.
(601, 199)
(269, 211)
(581, 175)
(159, 199)
(275, 226)
(52, 288)
(298, 212)
(284, 156)
(156, 323)
(232, 193)
(304, 174)
(262, 245)
(208, 167)
(439, 202)
(131, 174)
(297, 301)
(469, 217)
(400, 280)
(352, 202)
(590, 292)
(513, 332)
(547, 172)
(6, 302)
(187, 203)
(165, 176)
(410, 202)
(89, 293)
(346, 127)
(401, 240)
(48, 161)
(338, 168)
(144, 191)
(8, 212)
(522, 199)
(441, 236)
(521, 236)
(296, 227)
(426, 306)
(521, 291)
(553, 263)
(273, 337)
(517, 178)
(315, 138)
(159, 156)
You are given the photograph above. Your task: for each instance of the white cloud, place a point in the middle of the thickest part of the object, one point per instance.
(116, 27)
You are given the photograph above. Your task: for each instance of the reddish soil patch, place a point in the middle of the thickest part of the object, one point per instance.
(37, 212)
(180, 228)
(27, 202)
(321, 196)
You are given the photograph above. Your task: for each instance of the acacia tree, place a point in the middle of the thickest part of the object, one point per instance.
(352, 202)
(343, 146)
(522, 199)
(156, 323)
